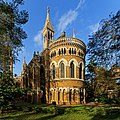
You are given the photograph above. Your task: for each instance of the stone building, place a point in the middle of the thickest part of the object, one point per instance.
(57, 73)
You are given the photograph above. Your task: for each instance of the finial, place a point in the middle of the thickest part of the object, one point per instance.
(34, 54)
(48, 10)
(24, 60)
(74, 33)
(48, 14)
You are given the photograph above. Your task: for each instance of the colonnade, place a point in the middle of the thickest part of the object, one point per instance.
(67, 95)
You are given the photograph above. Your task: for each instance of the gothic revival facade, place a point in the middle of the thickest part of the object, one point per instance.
(57, 73)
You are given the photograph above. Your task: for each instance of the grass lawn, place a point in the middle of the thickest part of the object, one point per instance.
(43, 116)
(70, 113)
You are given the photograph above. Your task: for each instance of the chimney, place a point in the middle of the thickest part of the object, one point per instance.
(63, 34)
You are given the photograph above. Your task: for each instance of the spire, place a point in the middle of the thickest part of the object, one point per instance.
(24, 65)
(74, 35)
(48, 30)
(48, 23)
(24, 61)
(48, 14)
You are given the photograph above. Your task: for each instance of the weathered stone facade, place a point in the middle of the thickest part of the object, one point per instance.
(57, 73)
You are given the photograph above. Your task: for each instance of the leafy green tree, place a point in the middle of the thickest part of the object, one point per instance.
(104, 45)
(103, 81)
(89, 79)
(8, 90)
(11, 37)
(103, 52)
(99, 81)
(11, 31)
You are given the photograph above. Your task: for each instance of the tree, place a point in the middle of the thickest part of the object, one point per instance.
(103, 52)
(11, 31)
(11, 36)
(99, 81)
(104, 45)
(103, 81)
(90, 80)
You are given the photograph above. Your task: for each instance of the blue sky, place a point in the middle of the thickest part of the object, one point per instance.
(81, 15)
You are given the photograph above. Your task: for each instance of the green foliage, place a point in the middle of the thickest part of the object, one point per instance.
(104, 45)
(103, 53)
(11, 36)
(11, 31)
(98, 83)
(59, 110)
(9, 93)
(71, 113)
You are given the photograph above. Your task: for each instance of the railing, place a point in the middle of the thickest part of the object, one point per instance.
(67, 40)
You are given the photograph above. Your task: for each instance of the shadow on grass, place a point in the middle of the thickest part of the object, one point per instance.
(49, 117)
(109, 114)
(17, 117)
(26, 117)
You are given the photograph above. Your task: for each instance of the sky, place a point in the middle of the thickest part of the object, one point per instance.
(81, 15)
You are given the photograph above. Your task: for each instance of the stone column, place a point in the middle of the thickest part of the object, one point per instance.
(77, 97)
(84, 95)
(72, 92)
(56, 96)
(67, 72)
(57, 72)
(77, 72)
(52, 96)
(64, 96)
(61, 92)
(67, 96)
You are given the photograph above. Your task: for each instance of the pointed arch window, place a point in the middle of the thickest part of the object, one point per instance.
(70, 51)
(48, 35)
(51, 36)
(80, 71)
(59, 52)
(70, 96)
(75, 51)
(62, 70)
(53, 71)
(64, 51)
(72, 70)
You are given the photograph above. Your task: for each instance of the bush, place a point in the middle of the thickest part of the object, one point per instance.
(38, 109)
(103, 99)
(44, 109)
(59, 110)
(19, 108)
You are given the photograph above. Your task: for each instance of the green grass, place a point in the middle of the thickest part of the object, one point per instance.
(60, 113)
(42, 116)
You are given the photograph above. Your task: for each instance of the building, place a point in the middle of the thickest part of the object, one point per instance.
(57, 73)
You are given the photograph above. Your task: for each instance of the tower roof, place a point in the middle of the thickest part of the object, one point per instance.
(24, 64)
(48, 23)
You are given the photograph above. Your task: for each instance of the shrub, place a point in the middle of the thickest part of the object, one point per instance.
(59, 110)
(38, 109)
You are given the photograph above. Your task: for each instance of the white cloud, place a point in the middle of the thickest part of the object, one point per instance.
(69, 17)
(81, 2)
(38, 39)
(93, 28)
